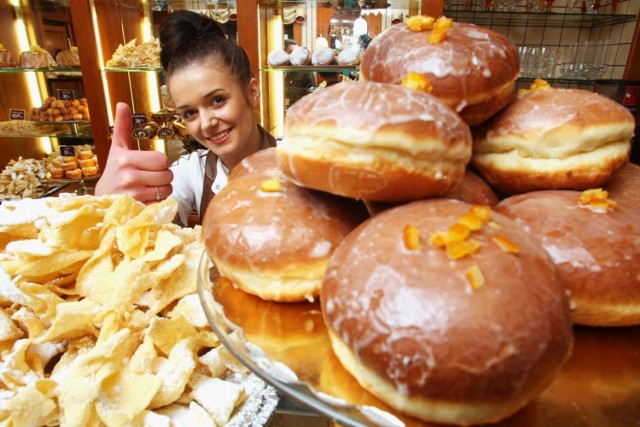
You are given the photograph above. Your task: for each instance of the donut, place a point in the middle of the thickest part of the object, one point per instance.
(444, 326)
(374, 141)
(69, 159)
(595, 245)
(89, 170)
(260, 161)
(323, 56)
(277, 58)
(473, 70)
(67, 166)
(272, 238)
(83, 163)
(624, 187)
(554, 139)
(73, 173)
(84, 152)
(57, 161)
(349, 56)
(300, 56)
(474, 190)
(56, 172)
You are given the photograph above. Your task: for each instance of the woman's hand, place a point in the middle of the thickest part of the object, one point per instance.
(143, 175)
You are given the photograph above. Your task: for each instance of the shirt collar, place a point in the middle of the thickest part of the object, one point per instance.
(221, 177)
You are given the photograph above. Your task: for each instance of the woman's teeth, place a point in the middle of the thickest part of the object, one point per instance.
(220, 135)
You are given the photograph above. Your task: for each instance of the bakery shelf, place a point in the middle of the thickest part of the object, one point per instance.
(319, 68)
(40, 70)
(133, 69)
(537, 19)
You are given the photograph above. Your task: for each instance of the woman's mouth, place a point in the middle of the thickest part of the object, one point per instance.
(220, 137)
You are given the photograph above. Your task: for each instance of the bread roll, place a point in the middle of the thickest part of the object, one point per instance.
(595, 249)
(374, 141)
(272, 238)
(457, 341)
(554, 139)
(473, 70)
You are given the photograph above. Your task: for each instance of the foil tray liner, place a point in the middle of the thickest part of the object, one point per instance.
(259, 404)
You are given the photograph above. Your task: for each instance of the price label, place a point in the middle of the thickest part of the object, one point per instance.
(66, 95)
(138, 120)
(631, 95)
(16, 114)
(67, 150)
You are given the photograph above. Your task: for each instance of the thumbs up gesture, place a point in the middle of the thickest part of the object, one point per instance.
(143, 175)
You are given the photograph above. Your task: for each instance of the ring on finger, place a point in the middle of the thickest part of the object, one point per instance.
(158, 194)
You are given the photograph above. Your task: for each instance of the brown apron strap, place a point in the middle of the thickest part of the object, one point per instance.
(209, 175)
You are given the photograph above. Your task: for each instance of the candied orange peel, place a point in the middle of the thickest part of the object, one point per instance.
(461, 248)
(475, 277)
(420, 23)
(537, 85)
(271, 186)
(597, 200)
(506, 244)
(456, 238)
(417, 81)
(440, 30)
(411, 237)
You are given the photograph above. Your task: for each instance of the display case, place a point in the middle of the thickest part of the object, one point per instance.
(22, 89)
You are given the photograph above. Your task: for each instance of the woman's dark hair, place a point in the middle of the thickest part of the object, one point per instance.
(187, 36)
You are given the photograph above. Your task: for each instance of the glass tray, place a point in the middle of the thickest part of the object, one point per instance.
(287, 345)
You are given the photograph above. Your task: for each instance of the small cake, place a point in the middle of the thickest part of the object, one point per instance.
(349, 57)
(278, 58)
(36, 57)
(6, 58)
(323, 56)
(300, 56)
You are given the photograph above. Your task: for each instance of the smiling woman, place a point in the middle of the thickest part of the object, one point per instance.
(209, 81)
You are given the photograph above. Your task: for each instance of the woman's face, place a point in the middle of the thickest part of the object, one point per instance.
(216, 109)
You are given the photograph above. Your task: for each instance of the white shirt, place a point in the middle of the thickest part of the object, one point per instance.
(188, 176)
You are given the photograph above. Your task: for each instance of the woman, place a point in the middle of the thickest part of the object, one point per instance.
(210, 82)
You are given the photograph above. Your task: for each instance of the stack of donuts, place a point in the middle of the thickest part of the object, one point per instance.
(83, 163)
(496, 221)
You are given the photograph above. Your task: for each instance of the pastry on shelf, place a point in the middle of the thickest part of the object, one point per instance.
(132, 55)
(6, 58)
(68, 58)
(36, 57)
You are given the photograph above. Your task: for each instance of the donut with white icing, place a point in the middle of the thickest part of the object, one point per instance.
(374, 141)
(260, 161)
(278, 57)
(474, 190)
(473, 70)
(415, 331)
(272, 238)
(596, 252)
(300, 56)
(323, 56)
(554, 139)
(349, 56)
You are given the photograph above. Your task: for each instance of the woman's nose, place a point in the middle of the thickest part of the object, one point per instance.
(209, 119)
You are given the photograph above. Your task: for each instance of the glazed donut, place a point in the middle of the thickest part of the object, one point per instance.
(300, 56)
(67, 166)
(90, 170)
(74, 173)
(83, 163)
(57, 161)
(473, 70)
(56, 172)
(260, 161)
(323, 56)
(624, 187)
(596, 251)
(374, 141)
(554, 139)
(349, 57)
(474, 190)
(68, 159)
(457, 341)
(85, 153)
(277, 58)
(272, 238)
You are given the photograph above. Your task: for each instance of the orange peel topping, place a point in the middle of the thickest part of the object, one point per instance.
(417, 81)
(440, 29)
(482, 211)
(475, 277)
(411, 237)
(271, 186)
(505, 244)
(597, 200)
(420, 23)
(462, 248)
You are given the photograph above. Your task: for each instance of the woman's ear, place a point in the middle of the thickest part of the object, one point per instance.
(254, 91)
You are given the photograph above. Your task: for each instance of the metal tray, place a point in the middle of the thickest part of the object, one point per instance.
(287, 346)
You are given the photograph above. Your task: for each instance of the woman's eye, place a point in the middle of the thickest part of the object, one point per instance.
(188, 115)
(217, 100)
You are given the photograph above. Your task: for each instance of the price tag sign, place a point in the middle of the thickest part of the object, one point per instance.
(631, 95)
(67, 150)
(66, 95)
(16, 114)
(138, 120)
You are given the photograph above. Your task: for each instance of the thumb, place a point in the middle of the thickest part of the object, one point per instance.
(122, 127)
